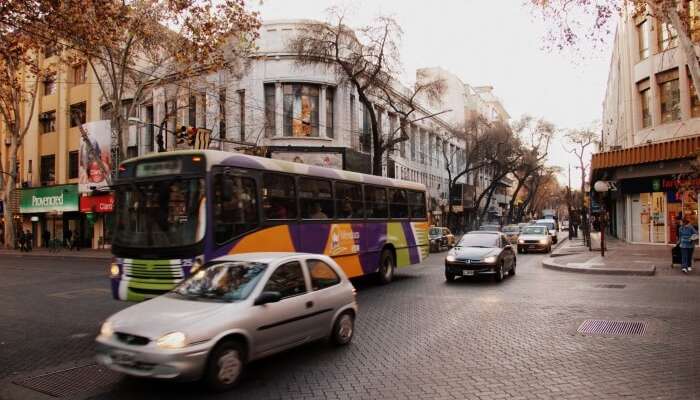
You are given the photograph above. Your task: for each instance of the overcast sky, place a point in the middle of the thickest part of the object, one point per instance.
(484, 42)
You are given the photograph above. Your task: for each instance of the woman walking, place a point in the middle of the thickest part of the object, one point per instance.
(687, 235)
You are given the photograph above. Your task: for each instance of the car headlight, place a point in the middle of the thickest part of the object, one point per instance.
(173, 340)
(521, 241)
(106, 330)
(114, 270)
(543, 241)
(450, 258)
(490, 259)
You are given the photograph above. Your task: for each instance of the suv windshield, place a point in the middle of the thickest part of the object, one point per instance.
(477, 240)
(164, 213)
(534, 230)
(549, 225)
(225, 281)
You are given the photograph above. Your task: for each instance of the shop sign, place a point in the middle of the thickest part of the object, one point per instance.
(679, 183)
(656, 185)
(97, 204)
(49, 199)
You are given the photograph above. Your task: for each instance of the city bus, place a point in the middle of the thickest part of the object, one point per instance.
(175, 211)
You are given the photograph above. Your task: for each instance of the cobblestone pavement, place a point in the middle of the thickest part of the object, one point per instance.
(416, 338)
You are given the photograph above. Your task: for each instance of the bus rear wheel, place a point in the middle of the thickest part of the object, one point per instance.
(387, 265)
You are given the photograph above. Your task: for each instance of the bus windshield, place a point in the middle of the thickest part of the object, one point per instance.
(164, 213)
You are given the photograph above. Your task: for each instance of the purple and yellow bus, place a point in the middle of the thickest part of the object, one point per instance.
(175, 211)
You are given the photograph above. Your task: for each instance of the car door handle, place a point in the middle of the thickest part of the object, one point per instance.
(309, 304)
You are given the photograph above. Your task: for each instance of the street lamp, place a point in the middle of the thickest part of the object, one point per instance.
(602, 187)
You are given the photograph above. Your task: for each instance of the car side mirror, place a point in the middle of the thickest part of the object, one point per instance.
(267, 297)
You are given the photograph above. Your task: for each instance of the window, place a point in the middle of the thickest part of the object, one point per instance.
(73, 164)
(300, 110)
(694, 101)
(79, 74)
(416, 202)
(77, 114)
(670, 96)
(235, 206)
(288, 280)
(366, 134)
(643, 38)
(353, 123)
(398, 203)
(402, 144)
(348, 197)
(694, 19)
(49, 85)
(279, 197)
(48, 170)
(148, 128)
(376, 202)
(322, 275)
(412, 140)
(668, 37)
(315, 199)
(192, 111)
(47, 121)
(241, 113)
(329, 112)
(645, 101)
(222, 114)
(132, 151)
(270, 110)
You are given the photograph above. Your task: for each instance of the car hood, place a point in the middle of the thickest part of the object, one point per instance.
(532, 237)
(165, 314)
(474, 253)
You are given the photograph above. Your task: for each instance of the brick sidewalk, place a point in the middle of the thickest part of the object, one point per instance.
(620, 258)
(64, 253)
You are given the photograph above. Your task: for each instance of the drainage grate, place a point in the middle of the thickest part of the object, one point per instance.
(72, 381)
(611, 286)
(615, 328)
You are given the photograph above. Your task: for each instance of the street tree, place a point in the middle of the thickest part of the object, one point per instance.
(581, 142)
(574, 23)
(368, 59)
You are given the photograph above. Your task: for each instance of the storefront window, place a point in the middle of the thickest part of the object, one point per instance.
(648, 218)
(300, 110)
(681, 204)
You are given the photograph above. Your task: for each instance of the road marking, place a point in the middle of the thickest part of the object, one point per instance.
(72, 294)
(79, 335)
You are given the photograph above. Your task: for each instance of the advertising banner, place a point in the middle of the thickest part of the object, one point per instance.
(328, 160)
(90, 175)
(49, 199)
(99, 204)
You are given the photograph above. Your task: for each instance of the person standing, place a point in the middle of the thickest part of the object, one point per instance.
(69, 239)
(687, 235)
(28, 238)
(20, 240)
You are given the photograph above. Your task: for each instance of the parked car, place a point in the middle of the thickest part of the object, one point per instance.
(511, 232)
(490, 227)
(551, 226)
(481, 253)
(236, 309)
(437, 239)
(535, 238)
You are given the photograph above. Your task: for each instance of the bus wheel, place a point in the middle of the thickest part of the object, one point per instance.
(386, 267)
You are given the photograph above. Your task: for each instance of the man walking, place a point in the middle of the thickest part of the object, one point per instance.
(687, 235)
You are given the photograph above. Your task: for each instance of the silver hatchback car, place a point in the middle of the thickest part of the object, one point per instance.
(234, 310)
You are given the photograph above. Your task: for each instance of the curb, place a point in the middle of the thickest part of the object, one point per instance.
(58, 256)
(550, 264)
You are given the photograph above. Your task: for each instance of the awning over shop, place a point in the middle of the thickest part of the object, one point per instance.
(648, 153)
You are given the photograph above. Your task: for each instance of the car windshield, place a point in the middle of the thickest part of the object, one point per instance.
(511, 228)
(489, 227)
(534, 230)
(435, 232)
(227, 281)
(549, 225)
(165, 213)
(479, 240)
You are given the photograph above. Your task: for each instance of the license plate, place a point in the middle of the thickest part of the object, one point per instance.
(531, 247)
(123, 358)
(467, 273)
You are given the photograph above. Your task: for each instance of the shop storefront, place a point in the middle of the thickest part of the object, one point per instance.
(51, 212)
(98, 211)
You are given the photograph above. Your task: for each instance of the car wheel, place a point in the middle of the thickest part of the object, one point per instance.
(449, 277)
(549, 249)
(500, 274)
(512, 269)
(524, 251)
(386, 267)
(225, 366)
(343, 329)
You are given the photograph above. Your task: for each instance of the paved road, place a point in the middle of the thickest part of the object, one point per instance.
(416, 338)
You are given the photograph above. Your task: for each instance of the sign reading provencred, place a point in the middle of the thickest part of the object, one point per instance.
(49, 199)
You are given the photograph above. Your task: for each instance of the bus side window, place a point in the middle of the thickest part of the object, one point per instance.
(416, 201)
(235, 208)
(279, 196)
(398, 203)
(348, 197)
(315, 199)
(376, 202)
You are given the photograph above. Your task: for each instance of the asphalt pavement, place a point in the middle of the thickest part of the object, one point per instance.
(419, 337)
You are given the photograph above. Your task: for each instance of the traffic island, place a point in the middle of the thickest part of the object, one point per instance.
(594, 264)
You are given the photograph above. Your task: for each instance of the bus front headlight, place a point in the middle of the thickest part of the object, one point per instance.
(173, 340)
(114, 270)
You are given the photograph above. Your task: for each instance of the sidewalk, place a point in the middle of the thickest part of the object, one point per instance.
(620, 258)
(63, 254)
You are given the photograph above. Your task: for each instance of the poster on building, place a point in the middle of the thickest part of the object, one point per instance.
(328, 160)
(95, 160)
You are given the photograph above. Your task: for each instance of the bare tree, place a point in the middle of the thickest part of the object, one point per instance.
(368, 59)
(581, 140)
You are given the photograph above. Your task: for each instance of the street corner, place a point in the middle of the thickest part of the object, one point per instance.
(595, 264)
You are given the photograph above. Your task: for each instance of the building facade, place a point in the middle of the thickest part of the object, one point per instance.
(650, 128)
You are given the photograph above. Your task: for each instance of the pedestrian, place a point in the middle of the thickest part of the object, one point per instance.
(20, 240)
(687, 235)
(28, 240)
(47, 238)
(69, 239)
